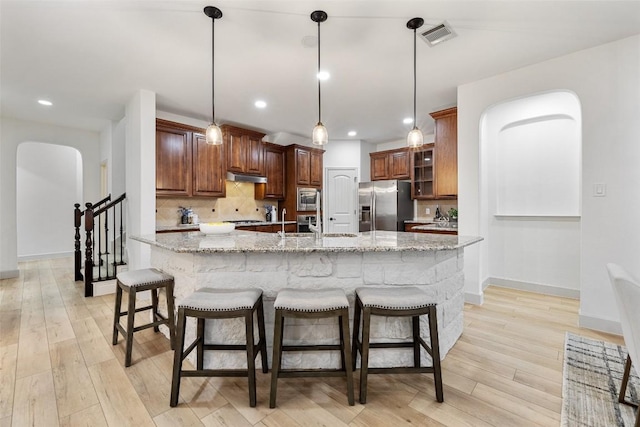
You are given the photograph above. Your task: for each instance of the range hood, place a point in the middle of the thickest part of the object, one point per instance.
(236, 177)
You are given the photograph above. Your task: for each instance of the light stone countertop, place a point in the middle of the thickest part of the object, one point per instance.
(196, 227)
(248, 241)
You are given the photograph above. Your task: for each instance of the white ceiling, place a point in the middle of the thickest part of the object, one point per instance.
(89, 57)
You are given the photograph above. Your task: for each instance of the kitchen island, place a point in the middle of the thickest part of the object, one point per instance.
(270, 262)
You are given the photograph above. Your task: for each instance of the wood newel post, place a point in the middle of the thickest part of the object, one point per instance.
(88, 261)
(77, 222)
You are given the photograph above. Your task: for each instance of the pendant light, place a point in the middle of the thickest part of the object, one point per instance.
(214, 134)
(319, 135)
(414, 138)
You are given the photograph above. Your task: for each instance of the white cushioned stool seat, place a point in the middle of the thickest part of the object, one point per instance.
(212, 299)
(394, 297)
(143, 277)
(311, 300)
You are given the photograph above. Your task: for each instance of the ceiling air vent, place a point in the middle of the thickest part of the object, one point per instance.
(437, 34)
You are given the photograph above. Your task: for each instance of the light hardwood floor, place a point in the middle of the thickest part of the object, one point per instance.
(58, 367)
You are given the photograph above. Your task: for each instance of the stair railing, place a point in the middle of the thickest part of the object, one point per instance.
(98, 222)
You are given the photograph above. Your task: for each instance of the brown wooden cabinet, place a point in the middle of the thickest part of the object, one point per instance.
(185, 164)
(245, 150)
(391, 164)
(304, 165)
(435, 166)
(274, 167)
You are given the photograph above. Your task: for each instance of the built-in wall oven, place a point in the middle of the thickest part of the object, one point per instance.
(303, 223)
(307, 199)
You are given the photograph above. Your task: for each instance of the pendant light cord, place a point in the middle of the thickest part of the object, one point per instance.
(213, 62)
(318, 77)
(414, 79)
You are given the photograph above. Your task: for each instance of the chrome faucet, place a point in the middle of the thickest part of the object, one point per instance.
(317, 229)
(281, 233)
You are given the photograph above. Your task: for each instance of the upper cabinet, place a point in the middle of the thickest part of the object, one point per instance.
(435, 166)
(305, 165)
(245, 150)
(391, 164)
(274, 167)
(185, 164)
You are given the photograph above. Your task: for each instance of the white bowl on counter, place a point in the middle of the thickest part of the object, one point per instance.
(217, 227)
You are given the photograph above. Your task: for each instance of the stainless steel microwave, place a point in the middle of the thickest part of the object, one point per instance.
(308, 199)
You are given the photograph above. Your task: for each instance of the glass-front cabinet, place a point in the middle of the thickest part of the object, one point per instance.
(422, 185)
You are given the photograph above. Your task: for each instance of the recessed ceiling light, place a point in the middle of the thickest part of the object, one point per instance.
(324, 75)
(352, 133)
(45, 102)
(260, 104)
(407, 120)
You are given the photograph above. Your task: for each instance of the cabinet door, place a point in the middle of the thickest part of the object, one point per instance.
(446, 153)
(236, 151)
(173, 162)
(379, 166)
(315, 169)
(400, 165)
(423, 172)
(303, 166)
(208, 168)
(275, 173)
(255, 155)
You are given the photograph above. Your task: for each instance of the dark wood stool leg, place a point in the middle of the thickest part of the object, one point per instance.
(251, 363)
(415, 320)
(171, 315)
(263, 337)
(356, 331)
(154, 308)
(116, 313)
(364, 353)
(177, 359)
(277, 355)
(435, 352)
(342, 358)
(131, 316)
(200, 348)
(346, 353)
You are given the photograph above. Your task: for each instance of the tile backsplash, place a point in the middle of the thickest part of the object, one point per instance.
(445, 205)
(239, 203)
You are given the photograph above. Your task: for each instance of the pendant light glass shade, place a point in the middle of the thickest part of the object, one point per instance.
(415, 138)
(320, 136)
(214, 133)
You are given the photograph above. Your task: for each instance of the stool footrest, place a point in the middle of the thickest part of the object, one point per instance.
(137, 310)
(297, 373)
(402, 370)
(215, 373)
(318, 347)
(150, 325)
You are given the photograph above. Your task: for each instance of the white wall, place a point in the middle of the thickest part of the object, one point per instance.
(606, 80)
(47, 188)
(117, 160)
(343, 154)
(12, 133)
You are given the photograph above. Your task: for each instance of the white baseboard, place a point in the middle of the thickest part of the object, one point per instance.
(598, 324)
(9, 274)
(104, 288)
(475, 299)
(535, 287)
(45, 256)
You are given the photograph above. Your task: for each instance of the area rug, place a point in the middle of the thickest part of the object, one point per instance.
(591, 382)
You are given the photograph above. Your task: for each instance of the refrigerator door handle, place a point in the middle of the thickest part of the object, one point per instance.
(373, 209)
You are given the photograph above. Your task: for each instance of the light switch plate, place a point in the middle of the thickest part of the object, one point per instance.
(599, 190)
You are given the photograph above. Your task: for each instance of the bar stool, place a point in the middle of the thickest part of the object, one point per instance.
(213, 303)
(399, 301)
(132, 282)
(311, 304)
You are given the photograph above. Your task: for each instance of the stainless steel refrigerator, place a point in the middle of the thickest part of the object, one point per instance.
(384, 205)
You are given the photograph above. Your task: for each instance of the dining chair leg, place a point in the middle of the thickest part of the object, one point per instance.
(357, 308)
(116, 314)
(346, 354)
(435, 352)
(177, 359)
(131, 315)
(251, 362)
(263, 337)
(364, 355)
(277, 356)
